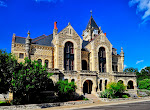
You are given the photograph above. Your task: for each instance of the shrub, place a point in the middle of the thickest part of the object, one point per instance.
(144, 84)
(65, 90)
(114, 90)
(124, 96)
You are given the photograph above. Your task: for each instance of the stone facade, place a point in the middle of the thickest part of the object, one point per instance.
(91, 63)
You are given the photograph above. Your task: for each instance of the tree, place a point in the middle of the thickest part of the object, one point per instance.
(7, 66)
(131, 70)
(65, 89)
(144, 84)
(29, 80)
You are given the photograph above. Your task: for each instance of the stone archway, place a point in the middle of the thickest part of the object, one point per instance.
(121, 81)
(130, 85)
(87, 87)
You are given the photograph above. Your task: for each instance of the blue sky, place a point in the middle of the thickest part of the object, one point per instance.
(126, 22)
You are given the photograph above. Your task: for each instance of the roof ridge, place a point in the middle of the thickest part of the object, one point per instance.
(41, 38)
(21, 37)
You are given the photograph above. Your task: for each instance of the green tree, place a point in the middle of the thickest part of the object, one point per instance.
(29, 80)
(131, 70)
(144, 84)
(65, 89)
(7, 66)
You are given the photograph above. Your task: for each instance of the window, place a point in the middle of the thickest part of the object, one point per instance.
(69, 56)
(102, 59)
(21, 55)
(70, 31)
(40, 61)
(100, 85)
(105, 84)
(46, 62)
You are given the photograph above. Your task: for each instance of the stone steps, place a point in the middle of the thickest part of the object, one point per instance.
(92, 97)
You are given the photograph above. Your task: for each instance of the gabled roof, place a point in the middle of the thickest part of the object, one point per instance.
(41, 40)
(92, 23)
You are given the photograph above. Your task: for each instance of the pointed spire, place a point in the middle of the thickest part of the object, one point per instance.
(69, 23)
(122, 53)
(28, 37)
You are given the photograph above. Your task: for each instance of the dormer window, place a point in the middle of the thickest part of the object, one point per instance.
(95, 32)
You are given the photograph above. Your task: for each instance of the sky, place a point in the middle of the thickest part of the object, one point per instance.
(126, 22)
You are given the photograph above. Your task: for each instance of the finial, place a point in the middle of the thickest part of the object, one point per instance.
(28, 34)
(121, 49)
(69, 23)
(91, 12)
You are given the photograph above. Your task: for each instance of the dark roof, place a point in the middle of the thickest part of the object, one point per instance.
(92, 23)
(42, 40)
(20, 40)
(84, 43)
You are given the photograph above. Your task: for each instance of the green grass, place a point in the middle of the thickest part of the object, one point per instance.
(2, 102)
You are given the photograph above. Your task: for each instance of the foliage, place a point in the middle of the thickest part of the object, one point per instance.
(65, 89)
(113, 90)
(124, 96)
(7, 66)
(85, 98)
(131, 70)
(144, 84)
(29, 80)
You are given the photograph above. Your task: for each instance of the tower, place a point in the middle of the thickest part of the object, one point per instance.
(91, 30)
(27, 46)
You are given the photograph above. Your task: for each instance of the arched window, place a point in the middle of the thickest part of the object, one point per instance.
(102, 59)
(46, 62)
(130, 85)
(105, 84)
(72, 80)
(69, 56)
(40, 61)
(100, 85)
(84, 65)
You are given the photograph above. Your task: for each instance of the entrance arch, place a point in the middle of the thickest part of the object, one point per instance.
(87, 87)
(130, 85)
(120, 81)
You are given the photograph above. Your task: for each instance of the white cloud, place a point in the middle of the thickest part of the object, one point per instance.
(48, 1)
(139, 61)
(125, 66)
(3, 4)
(142, 6)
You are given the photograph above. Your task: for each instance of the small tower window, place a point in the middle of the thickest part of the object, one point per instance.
(21, 55)
(40, 61)
(70, 31)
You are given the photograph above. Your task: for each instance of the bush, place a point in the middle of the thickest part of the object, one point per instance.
(144, 84)
(114, 90)
(65, 90)
(124, 96)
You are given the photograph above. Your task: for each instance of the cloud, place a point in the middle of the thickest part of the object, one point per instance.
(48, 0)
(143, 6)
(3, 4)
(125, 66)
(139, 61)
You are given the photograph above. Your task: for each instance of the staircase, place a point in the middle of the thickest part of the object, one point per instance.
(92, 97)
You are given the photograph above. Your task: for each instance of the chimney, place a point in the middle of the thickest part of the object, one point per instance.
(55, 25)
(14, 37)
(105, 34)
(55, 28)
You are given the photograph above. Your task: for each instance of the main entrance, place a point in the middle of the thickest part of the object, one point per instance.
(87, 87)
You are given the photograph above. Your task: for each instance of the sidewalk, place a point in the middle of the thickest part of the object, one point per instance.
(94, 104)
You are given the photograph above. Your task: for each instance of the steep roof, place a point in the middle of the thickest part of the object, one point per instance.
(92, 23)
(41, 40)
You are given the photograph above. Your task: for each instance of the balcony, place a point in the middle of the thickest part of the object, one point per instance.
(69, 72)
(88, 72)
(53, 70)
(131, 74)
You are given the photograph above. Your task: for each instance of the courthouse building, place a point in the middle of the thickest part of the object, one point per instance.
(91, 62)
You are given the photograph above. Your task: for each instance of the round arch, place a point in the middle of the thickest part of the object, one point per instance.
(124, 82)
(130, 84)
(75, 46)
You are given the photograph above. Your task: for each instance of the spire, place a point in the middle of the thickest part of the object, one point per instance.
(92, 23)
(122, 53)
(28, 37)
